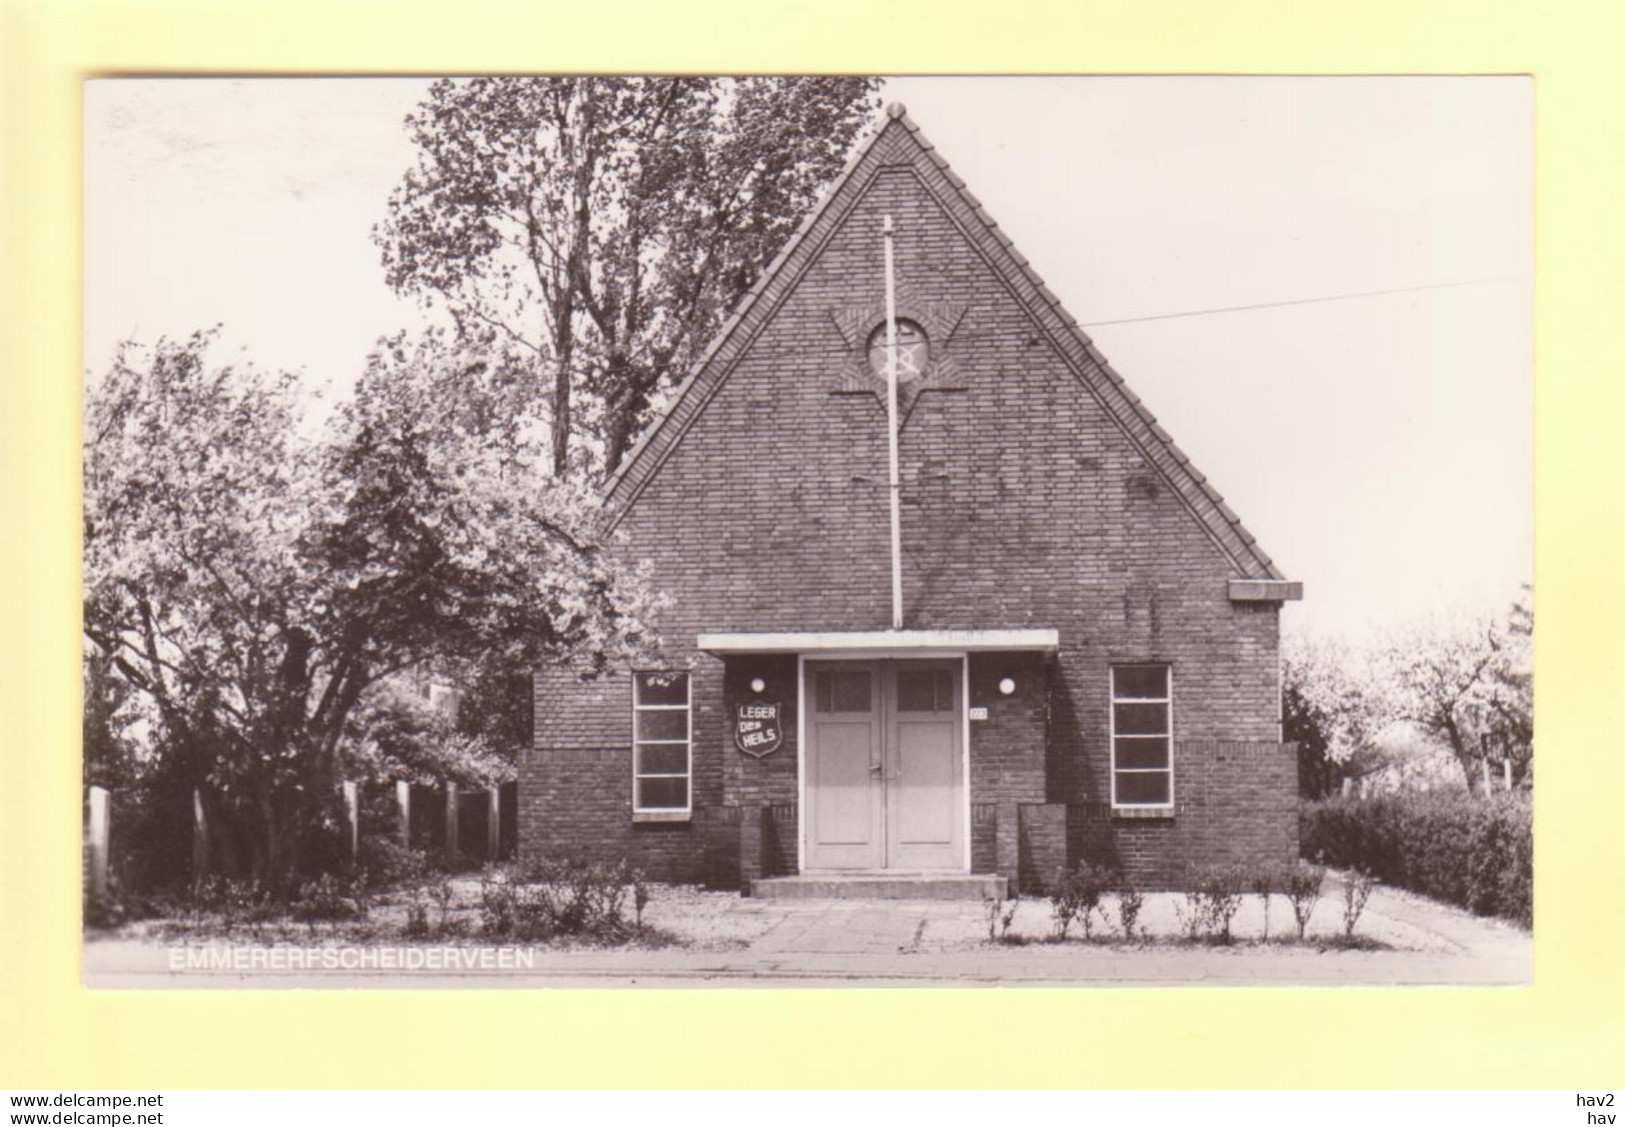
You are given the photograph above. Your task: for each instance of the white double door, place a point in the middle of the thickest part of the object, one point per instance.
(884, 768)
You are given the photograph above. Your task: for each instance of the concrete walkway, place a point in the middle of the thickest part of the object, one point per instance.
(741, 942)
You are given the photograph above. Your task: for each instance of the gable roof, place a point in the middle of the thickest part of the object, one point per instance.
(897, 140)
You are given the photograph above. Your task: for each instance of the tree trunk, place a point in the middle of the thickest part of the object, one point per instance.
(564, 348)
(223, 838)
(1464, 754)
(583, 151)
(618, 437)
(633, 386)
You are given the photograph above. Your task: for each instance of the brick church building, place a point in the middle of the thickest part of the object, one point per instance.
(1081, 660)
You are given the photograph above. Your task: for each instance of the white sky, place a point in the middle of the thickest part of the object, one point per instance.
(1379, 447)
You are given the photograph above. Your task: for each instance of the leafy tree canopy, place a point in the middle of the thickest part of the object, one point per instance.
(1330, 708)
(255, 585)
(602, 227)
(1459, 685)
(1469, 687)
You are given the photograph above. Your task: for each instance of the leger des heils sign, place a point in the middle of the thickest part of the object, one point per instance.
(758, 730)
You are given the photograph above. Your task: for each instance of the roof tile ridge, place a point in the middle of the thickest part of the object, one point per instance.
(1053, 301)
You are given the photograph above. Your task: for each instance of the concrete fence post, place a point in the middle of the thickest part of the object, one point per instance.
(493, 823)
(403, 805)
(352, 817)
(1485, 763)
(1348, 787)
(200, 838)
(1007, 846)
(451, 821)
(99, 831)
(1506, 774)
(751, 818)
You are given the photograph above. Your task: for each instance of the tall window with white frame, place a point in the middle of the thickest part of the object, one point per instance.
(1142, 737)
(662, 760)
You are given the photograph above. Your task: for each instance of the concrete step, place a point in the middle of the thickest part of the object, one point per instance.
(882, 886)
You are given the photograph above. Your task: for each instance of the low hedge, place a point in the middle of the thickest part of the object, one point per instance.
(1470, 850)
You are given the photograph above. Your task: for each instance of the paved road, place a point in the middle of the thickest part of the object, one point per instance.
(907, 943)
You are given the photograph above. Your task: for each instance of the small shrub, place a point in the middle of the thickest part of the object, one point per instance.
(1130, 901)
(104, 910)
(1357, 886)
(1190, 911)
(417, 916)
(386, 863)
(535, 917)
(562, 898)
(1062, 908)
(328, 897)
(640, 897)
(1264, 882)
(1301, 886)
(1213, 901)
(499, 902)
(1001, 914)
(1077, 896)
(231, 905)
(441, 894)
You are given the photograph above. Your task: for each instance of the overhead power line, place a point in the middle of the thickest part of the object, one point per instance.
(1304, 301)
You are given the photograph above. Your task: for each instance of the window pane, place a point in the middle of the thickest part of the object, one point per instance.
(912, 350)
(662, 794)
(843, 690)
(1142, 752)
(662, 759)
(1150, 789)
(925, 690)
(916, 690)
(852, 691)
(1140, 719)
(662, 724)
(1140, 681)
(662, 688)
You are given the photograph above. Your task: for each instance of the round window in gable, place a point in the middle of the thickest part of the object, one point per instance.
(913, 350)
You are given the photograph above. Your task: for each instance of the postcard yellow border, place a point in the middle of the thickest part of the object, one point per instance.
(1567, 1030)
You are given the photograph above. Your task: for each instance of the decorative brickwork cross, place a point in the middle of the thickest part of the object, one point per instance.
(857, 323)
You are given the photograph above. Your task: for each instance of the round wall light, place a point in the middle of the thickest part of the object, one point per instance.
(757, 684)
(1007, 686)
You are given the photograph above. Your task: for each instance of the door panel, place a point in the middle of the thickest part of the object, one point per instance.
(925, 801)
(845, 783)
(845, 817)
(924, 793)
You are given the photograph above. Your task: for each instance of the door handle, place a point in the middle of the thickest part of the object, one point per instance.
(876, 768)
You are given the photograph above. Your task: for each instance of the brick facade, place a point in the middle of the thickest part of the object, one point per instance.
(1037, 492)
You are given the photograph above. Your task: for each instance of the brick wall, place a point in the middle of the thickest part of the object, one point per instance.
(1235, 803)
(984, 827)
(1008, 760)
(1044, 847)
(749, 780)
(1035, 495)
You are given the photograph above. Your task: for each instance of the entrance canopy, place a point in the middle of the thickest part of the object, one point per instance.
(904, 642)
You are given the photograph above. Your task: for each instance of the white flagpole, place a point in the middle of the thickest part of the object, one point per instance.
(891, 438)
